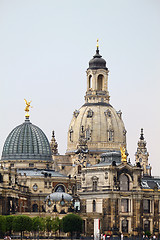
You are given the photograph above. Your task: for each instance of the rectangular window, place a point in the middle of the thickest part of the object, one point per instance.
(94, 186)
(45, 184)
(146, 206)
(31, 164)
(124, 205)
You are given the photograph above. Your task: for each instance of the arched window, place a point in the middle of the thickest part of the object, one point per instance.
(100, 82)
(60, 188)
(94, 184)
(79, 169)
(110, 135)
(88, 133)
(90, 81)
(94, 205)
(124, 183)
(35, 207)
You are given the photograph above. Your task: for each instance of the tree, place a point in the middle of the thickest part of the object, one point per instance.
(56, 224)
(9, 223)
(37, 224)
(48, 225)
(72, 223)
(2, 225)
(22, 223)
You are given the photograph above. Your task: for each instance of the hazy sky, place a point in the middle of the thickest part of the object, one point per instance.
(45, 47)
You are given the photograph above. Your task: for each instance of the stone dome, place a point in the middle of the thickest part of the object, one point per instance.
(102, 125)
(58, 196)
(26, 142)
(97, 62)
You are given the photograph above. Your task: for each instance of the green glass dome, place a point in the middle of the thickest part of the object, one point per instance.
(26, 141)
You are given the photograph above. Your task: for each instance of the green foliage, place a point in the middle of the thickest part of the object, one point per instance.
(2, 224)
(72, 223)
(48, 224)
(147, 233)
(22, 223)
(56, 224)
(37, 224)
(9, 223)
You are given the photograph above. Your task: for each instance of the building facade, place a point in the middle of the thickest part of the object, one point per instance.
(94, 178)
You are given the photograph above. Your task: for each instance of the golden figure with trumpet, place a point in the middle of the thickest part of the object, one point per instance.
(123, 154)
(28, 105)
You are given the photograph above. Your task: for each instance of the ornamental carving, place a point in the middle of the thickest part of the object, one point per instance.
(107, 113)
(119, 113)
(89, 113)
(76, 113)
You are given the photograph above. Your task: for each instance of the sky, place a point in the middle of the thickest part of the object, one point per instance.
(45, 47)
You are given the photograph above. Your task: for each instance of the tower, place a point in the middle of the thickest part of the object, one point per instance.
(97, 80)
(142, 155)
(102, 125)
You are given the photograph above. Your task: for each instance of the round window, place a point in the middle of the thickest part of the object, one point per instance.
(35, 187)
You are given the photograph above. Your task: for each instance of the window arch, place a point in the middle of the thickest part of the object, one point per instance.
(124, 183)
(59, 188)
(90, 81)
(35, 207)
(100, 82)
(94, 205)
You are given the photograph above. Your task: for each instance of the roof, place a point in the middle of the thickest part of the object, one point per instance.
(58, 196)
(97, 62)
(149, 183)
(39, 172)
(28, 142)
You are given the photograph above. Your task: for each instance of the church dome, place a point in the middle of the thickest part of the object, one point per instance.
(103, 128)
(97, 121)
(58, 196)
(97, 62)
(26, 142)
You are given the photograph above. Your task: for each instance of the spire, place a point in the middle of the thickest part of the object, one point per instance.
(97, 51)
(142, 155)
(54, 145)
(141, 136)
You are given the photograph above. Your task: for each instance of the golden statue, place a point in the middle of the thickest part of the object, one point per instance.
(97, 43)
(123, 154)
(28, 105)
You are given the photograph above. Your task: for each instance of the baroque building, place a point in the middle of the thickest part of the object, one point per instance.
(94, 178)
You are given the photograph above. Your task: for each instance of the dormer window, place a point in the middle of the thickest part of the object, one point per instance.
(89, 113)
